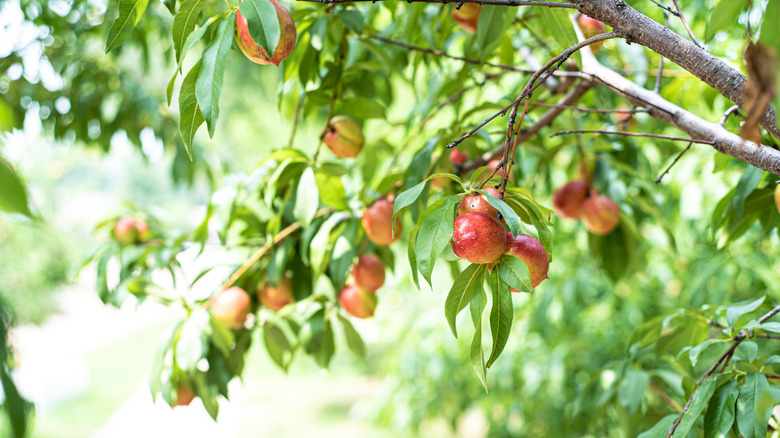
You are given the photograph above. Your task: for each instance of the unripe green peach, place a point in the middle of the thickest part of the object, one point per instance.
(344, 137)
(256, 53)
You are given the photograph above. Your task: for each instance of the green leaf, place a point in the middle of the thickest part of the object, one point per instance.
(509, 215)
(411, 251)
(476, 354)
(263, 23)
(352, 19)
(434, 235)
(354, 341)
(770, 31)
(190, 116)
(695, 352)
(632, 389)
(331, 190)
(560, 26)
(734, 311)
(501, 315)
(492, 26)
(208, 87)
(720, 413)
(191, 345)
(130, 13)
(723, 16)
(463, 288)
(184, 23)
(407, 198)
(750, 421)
(514, 272)
(307, 201)
(773, 327)
(748, 350)
(321, 243)
(279, 348)
(13, 196)
(700, 399)
(660, 429)
(747, 183)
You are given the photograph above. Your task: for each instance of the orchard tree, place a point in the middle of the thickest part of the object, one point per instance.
(445, 126)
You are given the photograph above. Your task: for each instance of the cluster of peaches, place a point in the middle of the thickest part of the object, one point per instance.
(577, 200)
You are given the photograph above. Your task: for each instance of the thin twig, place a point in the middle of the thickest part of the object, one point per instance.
(685, 23)
(459, 58)
(665, 396)
(762, 335)
(588, 110)
(666, 8)
(481, 2)
(267, 246)
(725, 356)
(510, 159)
(733, 110)
(676, 159)
(632, 134)
(530, 87)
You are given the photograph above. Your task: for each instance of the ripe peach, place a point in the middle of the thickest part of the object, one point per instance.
(777, 197)
(231, 307)
(369, 272)
(256, 53)
(567, 200)
(478, 203)
(377, 221)
(276, 297)
(467, 16)
(344, 137)
(125, 231)
(500, 174)
(184, 395)
(357, 302)
(458, 157)
(600, 214)
(478, 238)
(532, 253)
(590, 28)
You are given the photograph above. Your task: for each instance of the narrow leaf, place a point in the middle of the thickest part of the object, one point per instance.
(434, 236)
(720, 413)
(184, 23)
(510, 217)
(514, 272)
(189, 113)
(723, 16)
(407, 198)
(208, 87)
(463, 288)
(13, 194)
(308, 199)
(263, 23)
(501, 315)
(734, 311)
(354, 341)
(130, 13)
(700, 399)
(750, 421)
(477, 356)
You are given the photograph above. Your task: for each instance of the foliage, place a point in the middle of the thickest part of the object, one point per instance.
(296, 214)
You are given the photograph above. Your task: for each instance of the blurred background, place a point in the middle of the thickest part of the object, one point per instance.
(85, 365)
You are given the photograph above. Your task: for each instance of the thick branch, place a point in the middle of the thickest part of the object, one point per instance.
(640, 29)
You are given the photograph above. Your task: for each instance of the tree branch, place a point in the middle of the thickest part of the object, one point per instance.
(631, 134)
(640, 29)
(481, 2)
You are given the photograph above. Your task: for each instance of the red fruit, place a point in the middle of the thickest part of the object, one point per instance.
(276, 297)
(125, 231)
(467, 16)
(532, 253)
(568, 199)
(624, 119)
(344, 137)
(590, 28)
(377, 221)
(478, 238)
(499, 174)
(357, 302)
(458, 157)
(184, 395)
(256, 53)
(369, 272)
(478, 203)
(231, 307)
(600, 214)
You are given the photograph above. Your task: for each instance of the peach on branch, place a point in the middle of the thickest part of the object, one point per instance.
(600, 214)
(257, 54)
(532, 253)
(467, 16)
(369, 272)
(378, 223)
(278, 296)
(458, 157)
(567, 199)
(357, 302)
(590, 28)
(777, 197)
(344, 137)
(478, 203)
(128, 231)
(184, 395)
(478, 238)
(231, 307)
